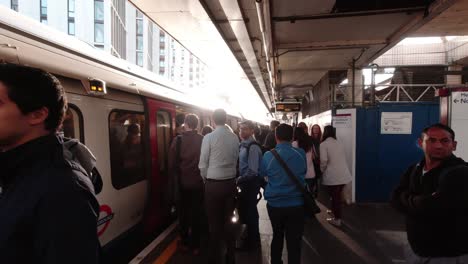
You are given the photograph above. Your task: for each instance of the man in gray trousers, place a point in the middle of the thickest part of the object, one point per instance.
(218, 167)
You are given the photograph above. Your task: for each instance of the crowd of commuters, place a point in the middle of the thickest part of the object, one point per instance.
(216, 173)
(208, 169)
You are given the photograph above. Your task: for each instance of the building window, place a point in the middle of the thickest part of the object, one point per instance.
(139, 38)
(162, 37)
(118, 29)
(150, 46)
(14, 5)
(99, 22)
(71, 17)
(44, 11)
(161, 71)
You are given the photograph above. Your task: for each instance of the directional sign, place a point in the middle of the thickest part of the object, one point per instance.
(459, 122)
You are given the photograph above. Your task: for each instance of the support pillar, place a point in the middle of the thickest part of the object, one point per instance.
(454, 79)
(355, 84)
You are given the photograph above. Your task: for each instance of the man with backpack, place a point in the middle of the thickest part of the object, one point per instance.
(47, 214)
(433, 195)
(184, 156)
(249, 182)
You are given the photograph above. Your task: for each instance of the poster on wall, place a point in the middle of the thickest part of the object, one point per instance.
(342, 120)
(396, 123)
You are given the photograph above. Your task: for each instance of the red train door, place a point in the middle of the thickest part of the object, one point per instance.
(161, 116)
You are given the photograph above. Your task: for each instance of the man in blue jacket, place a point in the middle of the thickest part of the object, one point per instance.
(284, 199)
(46, 216)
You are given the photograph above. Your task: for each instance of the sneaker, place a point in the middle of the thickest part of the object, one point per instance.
(334, 221)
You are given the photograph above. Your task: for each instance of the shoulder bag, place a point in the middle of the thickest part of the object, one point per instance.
(309, 202)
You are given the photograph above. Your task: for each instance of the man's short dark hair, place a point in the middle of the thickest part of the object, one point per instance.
(248, 124)
(274, 124)
(31, 89)
(284, 132)
(219, 117)
(180, 119)
(191, 120)
(440, 126)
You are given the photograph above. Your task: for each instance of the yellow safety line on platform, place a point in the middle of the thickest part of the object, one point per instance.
(167, 253)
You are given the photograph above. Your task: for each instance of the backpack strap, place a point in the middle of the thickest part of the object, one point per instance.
(250, 144)
(288, 171)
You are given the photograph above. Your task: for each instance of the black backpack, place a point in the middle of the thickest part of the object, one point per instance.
(255, 143)
(81, 159)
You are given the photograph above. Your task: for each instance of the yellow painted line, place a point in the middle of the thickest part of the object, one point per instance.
(167, 253)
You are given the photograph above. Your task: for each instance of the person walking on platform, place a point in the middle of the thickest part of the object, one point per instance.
(218, 166)
(270, 141)
(285, 202)
(433, 195)
(46, 213)
(335, 171)
(249, 181)
(184, 156)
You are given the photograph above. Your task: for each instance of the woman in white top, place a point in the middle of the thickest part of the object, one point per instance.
(335, 171)
(302, 140)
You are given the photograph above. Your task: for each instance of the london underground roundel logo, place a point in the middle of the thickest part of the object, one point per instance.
(105, 216)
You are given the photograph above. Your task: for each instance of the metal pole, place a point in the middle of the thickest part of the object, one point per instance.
(353, 82)
(372, 91)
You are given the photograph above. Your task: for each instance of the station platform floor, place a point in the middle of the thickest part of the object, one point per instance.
(370, 233)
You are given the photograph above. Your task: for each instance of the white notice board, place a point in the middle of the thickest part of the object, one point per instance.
(396, 123)
(459, 122)
(342, 120)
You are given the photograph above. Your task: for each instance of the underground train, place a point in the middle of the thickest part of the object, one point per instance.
(128, 124)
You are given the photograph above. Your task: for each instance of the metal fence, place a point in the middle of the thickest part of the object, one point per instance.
(342, 96)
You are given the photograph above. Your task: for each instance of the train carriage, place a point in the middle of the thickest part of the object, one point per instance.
(129, 128)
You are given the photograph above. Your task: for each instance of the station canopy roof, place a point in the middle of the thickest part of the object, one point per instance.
(285, 47)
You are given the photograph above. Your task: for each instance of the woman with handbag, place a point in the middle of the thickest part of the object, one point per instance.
(335, 171)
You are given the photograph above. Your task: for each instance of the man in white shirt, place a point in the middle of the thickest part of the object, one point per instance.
(218, 167)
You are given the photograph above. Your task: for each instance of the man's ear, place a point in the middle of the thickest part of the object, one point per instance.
(420, 142)
(454, 145)
(38, 116)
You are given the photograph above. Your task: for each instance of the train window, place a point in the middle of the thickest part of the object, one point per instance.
(126, 136)
(164, 137)
(72, 126)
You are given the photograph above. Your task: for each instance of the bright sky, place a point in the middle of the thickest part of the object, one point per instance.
(234, 94)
